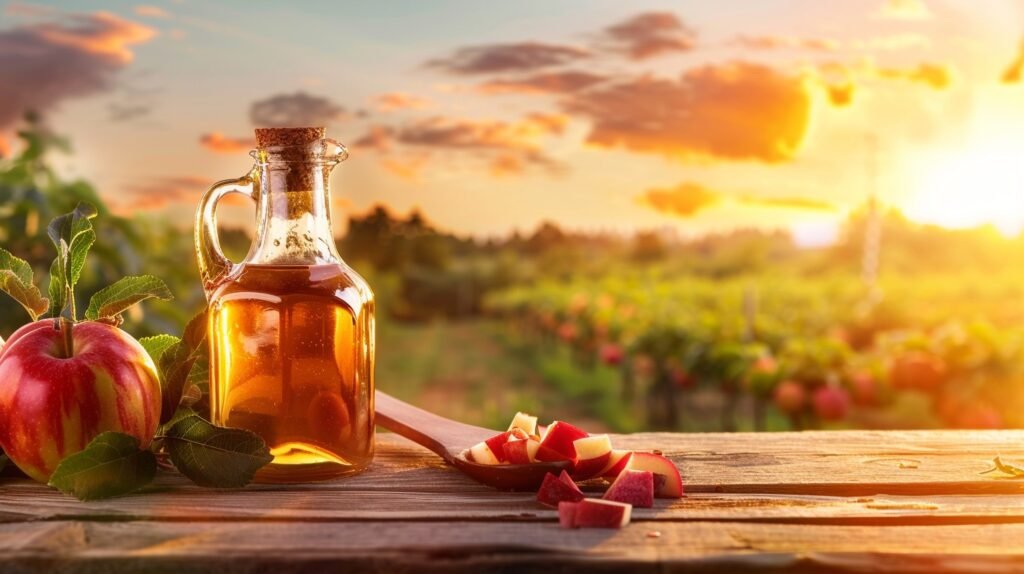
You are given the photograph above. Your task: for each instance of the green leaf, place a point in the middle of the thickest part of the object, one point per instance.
(177, 362)
(111, 301)
(16, 280)
(213, 456)
(157, 345)
(112, 464)
(73, 236)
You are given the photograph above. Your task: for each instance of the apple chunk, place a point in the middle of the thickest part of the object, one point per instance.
(480, 453)
(520, 451)
(496, 443)
(557, 442)
(524, 422)
(592, 456)
(567, 514)
(557, 489)
(597, 513)
(634, 487)
(617, 461)
(667, 482)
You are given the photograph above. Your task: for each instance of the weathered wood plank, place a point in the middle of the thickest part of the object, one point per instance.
(502, 547)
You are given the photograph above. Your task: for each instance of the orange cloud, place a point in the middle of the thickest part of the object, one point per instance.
(552, 82)
(904, 10)
(492, 58)
(840, 95)
(903, 41)
(650, 34)
(408, 167)
(804, 203)
(29, 10)
(219, 143)
(1013, 71)
(151, 11)
(787, 42)
(400, 101)
(935, 76)
(684, 200)
(737, 111)
(46, 64)
(162, 191)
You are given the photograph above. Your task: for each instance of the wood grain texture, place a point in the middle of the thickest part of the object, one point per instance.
(788, 502)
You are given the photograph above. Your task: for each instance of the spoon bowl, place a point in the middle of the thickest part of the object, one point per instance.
(450, 439)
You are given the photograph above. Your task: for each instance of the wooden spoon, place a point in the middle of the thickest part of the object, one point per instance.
(449, 439)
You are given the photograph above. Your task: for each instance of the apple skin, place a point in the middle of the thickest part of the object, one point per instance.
(52, 407)
(557, 442)
(634, 487)
(556, 489)
(597, 513)
(593, 454)
(616, 464)
(667, 481)
(567, 514)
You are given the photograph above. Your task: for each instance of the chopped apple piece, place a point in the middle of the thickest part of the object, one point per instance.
(496, 444)
(557, 442)
(616, 463)
(597, 513)
(521, 451)
(482, 454)
(667, 482)
(524, 422)
(634, 487)
(567, 514)
(557, 489)
(592, 456)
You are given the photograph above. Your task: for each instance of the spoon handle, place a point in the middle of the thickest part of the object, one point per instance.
(441, 435)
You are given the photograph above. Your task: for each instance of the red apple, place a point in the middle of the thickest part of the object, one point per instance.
(865, 388)
(567, 514)
(790, 397)
(556, 489)
(592, 456)
(597, 513)
(616, 463)
(634, 487)
(611, 354)
(496, 445)
(521, 451)
(557, 442)
(917, 370)
(681, 378)
(979, 417)
(525, 422)
(567, 332)
(831, 403)
(480, 453)
(667, 482)
(52, 406)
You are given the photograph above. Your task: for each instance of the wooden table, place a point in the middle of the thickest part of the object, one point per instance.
(814, 501)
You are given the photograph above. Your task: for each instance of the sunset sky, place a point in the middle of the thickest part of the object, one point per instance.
(600, 115)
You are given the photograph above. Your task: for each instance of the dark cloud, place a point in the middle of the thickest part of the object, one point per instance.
(46, 64)
(551, 82)
(521, 57)
(936, 76)
(684, 200)
(737, 111)
(650, 34)
(219, 143)
(1013, 71)
(295, 110)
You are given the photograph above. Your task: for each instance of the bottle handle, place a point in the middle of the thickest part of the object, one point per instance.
(213, 264)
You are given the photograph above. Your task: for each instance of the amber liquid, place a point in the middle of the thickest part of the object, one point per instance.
(292, 353)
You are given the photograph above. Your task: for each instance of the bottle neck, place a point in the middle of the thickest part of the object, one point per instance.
(294, 215)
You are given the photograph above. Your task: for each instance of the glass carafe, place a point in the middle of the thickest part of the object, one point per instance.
(292, 326)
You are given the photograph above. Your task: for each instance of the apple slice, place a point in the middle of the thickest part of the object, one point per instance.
(597, 513)
(482, 454)
(520, 451)
(592, 456)
(567, 514)
(556, 444)
(634, 487)
(496, 443)
(524, 422)
(617, 462)
(667, 482)
(556, 489)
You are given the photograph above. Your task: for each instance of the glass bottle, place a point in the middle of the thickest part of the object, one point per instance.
(291, 328)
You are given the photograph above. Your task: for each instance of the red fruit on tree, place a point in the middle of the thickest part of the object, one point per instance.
(917, 370)
(864, 388)
(980, 416)
(831, 403)
(567, 332)
(790, 397)
(612, 354)
(681, 378)
(52, 406)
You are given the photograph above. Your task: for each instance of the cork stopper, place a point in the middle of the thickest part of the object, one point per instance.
(267, 137)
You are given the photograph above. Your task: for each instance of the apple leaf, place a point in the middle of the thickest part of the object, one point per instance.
(73, 235)
(214, 456)
(176, 364)
(17, 281)
(112, 465)
(110, 302)
(157, 345)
